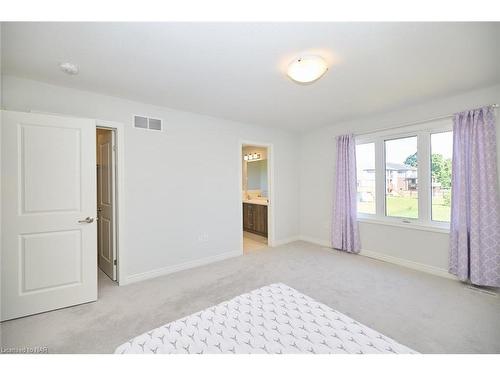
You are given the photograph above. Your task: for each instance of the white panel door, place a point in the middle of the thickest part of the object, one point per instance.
(49, 249)
(105, 203)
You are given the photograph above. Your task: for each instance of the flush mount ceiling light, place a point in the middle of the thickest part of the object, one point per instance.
(69, 68)
(307, 69)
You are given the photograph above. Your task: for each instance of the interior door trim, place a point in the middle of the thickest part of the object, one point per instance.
(118, 128)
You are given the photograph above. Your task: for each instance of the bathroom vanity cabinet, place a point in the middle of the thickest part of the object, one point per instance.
(255, 218)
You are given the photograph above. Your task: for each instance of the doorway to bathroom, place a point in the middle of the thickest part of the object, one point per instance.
(255, 196)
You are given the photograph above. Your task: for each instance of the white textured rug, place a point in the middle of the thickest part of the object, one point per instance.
(273, 319)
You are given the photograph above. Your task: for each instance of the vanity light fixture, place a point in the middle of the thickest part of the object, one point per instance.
(251, 157)
(307, 69)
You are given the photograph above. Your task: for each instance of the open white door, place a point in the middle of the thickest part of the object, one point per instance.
(106, 236)
(49, 237)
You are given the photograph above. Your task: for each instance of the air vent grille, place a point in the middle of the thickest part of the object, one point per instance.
(142, 122)
(154, 124)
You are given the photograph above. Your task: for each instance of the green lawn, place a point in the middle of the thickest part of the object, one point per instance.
(402, 207)
(408, 207)
(441, 210)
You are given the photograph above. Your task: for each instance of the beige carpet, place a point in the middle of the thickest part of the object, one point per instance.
(427, 313)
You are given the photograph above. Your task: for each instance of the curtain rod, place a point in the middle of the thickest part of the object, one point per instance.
(413, 123)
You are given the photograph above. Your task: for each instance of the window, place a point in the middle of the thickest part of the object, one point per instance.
(404, 178)
(441, 152)
(401, 188)
(365, 171)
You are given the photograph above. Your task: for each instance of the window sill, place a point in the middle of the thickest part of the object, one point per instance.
(400, 224)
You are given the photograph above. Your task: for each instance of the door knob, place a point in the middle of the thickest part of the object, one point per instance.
(87, 220)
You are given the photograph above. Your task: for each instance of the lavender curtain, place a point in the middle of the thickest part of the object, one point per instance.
(475, 205)
(345, 233)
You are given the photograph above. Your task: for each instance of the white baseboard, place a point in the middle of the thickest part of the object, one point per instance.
(408, 263)
(315, 241)
(389, 259)
(179, 267)
(285, 241)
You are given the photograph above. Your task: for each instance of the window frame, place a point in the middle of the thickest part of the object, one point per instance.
(423, 133)
(407, 135)
(436, 131)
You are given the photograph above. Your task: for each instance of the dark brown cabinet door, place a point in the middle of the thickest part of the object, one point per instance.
(255, 218)
(245, 216)
(248, 216)
(260, 219)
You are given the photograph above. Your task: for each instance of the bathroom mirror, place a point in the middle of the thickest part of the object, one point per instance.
(257, 176)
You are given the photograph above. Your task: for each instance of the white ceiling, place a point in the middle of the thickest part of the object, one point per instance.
(236, 70)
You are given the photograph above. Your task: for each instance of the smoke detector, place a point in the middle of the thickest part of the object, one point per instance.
(69, 68)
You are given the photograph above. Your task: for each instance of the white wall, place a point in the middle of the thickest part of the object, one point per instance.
(317, 164)
(0, 67)
(181, 185)
(171, 200)
(1, 106)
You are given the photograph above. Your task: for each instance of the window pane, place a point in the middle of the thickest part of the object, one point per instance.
(441, 153)
(401, 181)
(365, 171)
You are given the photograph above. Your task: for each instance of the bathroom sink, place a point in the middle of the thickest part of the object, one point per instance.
(261, 201)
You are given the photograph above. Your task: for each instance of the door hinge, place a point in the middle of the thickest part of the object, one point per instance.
(114, 262)
(114, 147)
